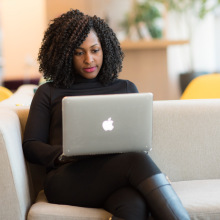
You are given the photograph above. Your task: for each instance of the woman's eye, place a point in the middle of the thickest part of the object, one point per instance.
(95, 51)
(78, 53)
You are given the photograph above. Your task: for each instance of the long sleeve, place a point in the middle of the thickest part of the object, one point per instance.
(36, 143)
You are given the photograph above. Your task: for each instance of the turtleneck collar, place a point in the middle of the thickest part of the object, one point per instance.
(80, 79)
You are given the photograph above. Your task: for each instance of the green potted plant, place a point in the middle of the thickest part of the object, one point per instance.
(142, 19)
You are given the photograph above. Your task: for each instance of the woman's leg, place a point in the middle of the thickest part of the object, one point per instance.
(127, 203)
(162, 199)
(91, 181)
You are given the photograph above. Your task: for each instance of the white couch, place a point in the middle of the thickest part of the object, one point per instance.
(186, 146)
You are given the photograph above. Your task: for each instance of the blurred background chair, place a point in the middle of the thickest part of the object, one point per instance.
(203, 87)
(4, 93)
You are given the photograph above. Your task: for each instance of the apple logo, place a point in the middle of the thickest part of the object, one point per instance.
(108, 125)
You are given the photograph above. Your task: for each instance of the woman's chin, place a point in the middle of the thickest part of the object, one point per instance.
(89, 75)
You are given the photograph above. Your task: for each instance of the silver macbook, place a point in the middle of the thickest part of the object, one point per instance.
(102, 124)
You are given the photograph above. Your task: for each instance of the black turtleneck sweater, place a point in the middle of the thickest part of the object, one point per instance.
(42, 142)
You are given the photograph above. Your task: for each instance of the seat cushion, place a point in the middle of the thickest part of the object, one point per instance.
(201, 198)
(42, 210)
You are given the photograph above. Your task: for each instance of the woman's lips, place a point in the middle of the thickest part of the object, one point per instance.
(89, 70)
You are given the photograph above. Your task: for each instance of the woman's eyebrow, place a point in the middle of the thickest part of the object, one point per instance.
(95, 45)
(81, 48)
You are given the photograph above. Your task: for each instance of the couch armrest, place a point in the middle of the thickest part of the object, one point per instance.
(14, 182)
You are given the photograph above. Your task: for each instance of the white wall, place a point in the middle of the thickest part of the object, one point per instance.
(217, 41)
(200, 55)
(203, 44)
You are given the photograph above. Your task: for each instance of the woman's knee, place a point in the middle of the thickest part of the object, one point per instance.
(141, 167)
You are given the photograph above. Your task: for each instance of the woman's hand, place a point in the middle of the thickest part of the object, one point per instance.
(62, 159)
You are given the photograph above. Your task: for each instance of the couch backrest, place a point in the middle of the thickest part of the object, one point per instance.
(186, 138)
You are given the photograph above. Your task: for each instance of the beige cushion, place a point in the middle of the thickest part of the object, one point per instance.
(186, 138)
(42, 210)
(201, 198)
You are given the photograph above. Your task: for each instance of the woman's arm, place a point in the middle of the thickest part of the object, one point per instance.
(36, 136)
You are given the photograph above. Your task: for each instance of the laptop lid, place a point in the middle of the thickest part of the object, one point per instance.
(100, 124)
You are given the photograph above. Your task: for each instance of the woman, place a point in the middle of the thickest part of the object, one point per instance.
(80, 55)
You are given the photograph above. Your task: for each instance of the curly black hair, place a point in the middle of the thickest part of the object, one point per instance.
(65, 34)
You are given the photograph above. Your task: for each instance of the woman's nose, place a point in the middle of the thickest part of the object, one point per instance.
(88, 58)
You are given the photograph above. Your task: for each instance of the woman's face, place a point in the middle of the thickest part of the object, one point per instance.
(88, 57)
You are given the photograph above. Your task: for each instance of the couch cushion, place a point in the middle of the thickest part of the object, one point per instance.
(186, 138)
(201, 198)
(42, 210)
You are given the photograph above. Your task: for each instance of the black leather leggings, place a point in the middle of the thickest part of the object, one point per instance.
(105, 181)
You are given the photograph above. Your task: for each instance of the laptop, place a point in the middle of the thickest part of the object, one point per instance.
(104, 124)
